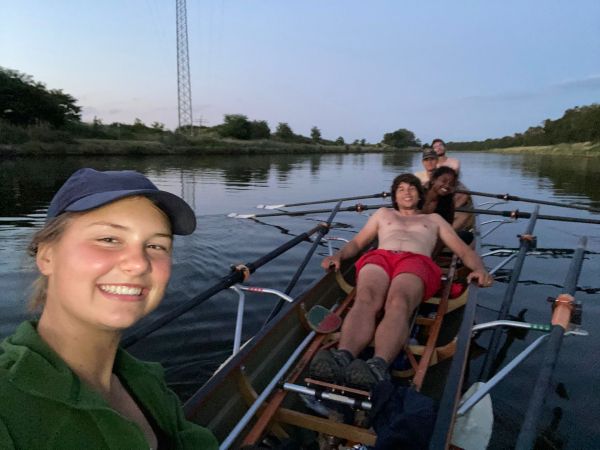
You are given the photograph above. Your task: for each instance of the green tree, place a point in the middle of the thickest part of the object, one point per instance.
(363, 142)
(259, 129)
(236, 126)
(340, 141)
(26, 102)
(158, 126)
(401, 138)
(284, 132)
(315, 134)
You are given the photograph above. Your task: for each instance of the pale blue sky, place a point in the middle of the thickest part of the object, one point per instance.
(460, 70)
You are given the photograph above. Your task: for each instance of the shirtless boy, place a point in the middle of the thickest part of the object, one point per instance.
(395, 278)
(440, 148)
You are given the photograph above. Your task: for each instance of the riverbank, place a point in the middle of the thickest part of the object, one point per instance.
(197, 147)
(215, 146)
(589, 149)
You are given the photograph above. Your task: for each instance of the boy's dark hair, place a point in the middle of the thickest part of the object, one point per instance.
(438, 140)
(411, 179)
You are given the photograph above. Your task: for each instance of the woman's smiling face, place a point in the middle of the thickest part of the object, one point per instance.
(111, 266)
(444, 184)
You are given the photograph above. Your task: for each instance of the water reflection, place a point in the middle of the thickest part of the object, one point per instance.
(569, 175)
(27, 184)
(398, 160)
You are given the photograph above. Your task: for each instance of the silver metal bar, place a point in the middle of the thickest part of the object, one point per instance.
(512, 324)
(332, 396)
(487, 386)
(491, 230)
(279, 294)
(239, 321)
(503, 263)
(491, 204)
(498, 251)
(237, 337)
(333, 238)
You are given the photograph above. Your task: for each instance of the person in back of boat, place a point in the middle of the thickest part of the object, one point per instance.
(393, 279)
(429, 160)
(441, 198)
(443, 160)
(104, 257)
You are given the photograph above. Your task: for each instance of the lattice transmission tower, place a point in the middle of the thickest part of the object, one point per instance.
(184, 87)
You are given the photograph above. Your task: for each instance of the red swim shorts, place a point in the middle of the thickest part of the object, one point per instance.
(395, 263)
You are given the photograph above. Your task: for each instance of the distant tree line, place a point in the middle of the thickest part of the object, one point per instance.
(238, 126)
(579, 124)
(30, 111)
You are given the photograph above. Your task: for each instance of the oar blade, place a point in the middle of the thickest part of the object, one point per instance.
(271, 206)
(473, 429)
(241, 216)
(322, 320)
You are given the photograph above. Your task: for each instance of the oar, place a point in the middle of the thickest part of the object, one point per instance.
(541, 387)
(516, 214)
(527, 200)
(359, 207)
(489, 362)
(331, 200)
(322, 232)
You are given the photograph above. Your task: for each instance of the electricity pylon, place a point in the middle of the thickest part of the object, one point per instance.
(184, 88)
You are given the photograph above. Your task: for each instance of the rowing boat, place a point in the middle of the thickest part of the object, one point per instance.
(222, 403)
(261, 391)
(245, 402)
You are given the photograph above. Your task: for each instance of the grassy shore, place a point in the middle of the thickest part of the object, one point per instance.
(198, 147)
(574, 149)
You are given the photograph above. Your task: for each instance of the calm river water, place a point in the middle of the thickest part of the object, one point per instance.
(192, 346)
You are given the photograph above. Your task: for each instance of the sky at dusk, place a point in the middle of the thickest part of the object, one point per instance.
(460, 70)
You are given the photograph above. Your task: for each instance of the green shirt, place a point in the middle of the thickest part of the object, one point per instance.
(44, 405)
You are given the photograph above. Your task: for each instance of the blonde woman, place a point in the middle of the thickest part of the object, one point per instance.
(104, 257)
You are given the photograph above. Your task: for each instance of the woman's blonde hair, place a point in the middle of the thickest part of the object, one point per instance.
(50, 233)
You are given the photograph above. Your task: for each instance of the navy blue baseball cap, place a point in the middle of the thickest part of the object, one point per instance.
(88, 189)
